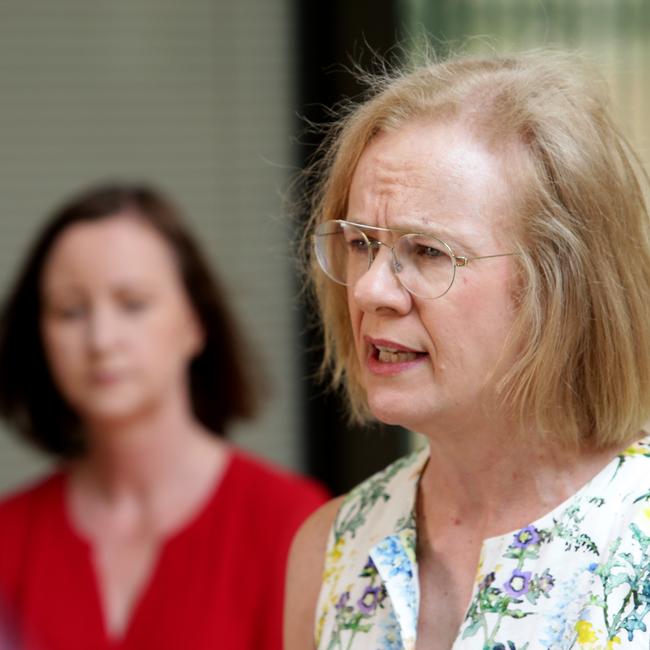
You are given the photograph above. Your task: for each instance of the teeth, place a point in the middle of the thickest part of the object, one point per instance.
(386, 355)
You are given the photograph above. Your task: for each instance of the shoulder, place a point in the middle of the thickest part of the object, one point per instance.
(263, 496)
(26, 515)
(620, 495)
(630, 475)
(305, 573)
(332, 545)
(270, 483)
(384, 502)
(310, 543)
(27, 508)
(20, 504)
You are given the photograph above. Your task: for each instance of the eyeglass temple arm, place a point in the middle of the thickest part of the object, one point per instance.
(461, 260)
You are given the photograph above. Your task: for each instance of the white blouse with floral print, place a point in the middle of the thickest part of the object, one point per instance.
(578, 577)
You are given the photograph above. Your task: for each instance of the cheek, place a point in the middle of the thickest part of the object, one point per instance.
(61, 346)
(172, 340)
(488, 327)
(355, 316)
(65, 360)
(473, 322)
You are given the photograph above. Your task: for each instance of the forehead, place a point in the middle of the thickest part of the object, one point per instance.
(431, 175)
(118, 248)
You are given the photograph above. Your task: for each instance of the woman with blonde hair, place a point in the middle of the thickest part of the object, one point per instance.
(481, 261)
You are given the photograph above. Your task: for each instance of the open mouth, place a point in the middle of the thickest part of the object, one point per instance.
(385, 354)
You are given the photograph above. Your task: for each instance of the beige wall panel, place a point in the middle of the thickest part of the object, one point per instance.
(191, 94)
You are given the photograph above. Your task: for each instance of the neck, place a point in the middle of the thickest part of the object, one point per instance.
(148, 452)
(493, 479)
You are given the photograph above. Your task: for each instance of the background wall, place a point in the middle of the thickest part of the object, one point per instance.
(614, 34)
(193, 95)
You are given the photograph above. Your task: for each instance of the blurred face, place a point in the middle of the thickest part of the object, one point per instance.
(431, 363)
(117, 326)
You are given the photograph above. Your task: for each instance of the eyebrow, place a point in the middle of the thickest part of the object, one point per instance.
(66, 290)
(432, 228)
(49, 292)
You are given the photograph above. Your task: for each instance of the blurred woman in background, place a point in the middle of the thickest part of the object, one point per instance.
(119, 357)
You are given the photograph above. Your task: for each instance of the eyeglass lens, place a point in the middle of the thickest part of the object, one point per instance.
(423, 264)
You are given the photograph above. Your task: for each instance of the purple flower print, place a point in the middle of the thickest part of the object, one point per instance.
(526, 537)
(343, 600)
(518, 583)
(369, 601)
(487, 581)
(369, 569)
(545, 582)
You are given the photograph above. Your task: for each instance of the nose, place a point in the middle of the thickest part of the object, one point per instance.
(101, 330)
(379, 288)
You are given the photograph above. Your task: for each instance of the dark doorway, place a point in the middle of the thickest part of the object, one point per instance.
(332, 36)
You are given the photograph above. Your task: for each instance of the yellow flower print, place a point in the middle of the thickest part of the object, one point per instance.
(635, 450)
(587, 635)
(585, 632)
(643, 520)
(332, 567)
(319, 627)
(337, 550)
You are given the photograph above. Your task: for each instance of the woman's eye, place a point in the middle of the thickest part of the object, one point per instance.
(68, 313)
(358, 245)
(134, 305)
(429, 252)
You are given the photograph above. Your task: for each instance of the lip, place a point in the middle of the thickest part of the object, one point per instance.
(387, 369)
(105, 377)
(385, 343)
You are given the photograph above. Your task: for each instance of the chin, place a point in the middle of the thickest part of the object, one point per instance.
(111, 411)
(410, 409)
(391, 409)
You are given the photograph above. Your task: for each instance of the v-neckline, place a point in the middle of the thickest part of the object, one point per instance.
(85, 550)
(395, 546)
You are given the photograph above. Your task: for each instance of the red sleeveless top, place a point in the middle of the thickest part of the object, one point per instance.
(218, 582)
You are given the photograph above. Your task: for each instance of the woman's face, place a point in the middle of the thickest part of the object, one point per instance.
(433, 363)
(117, 326)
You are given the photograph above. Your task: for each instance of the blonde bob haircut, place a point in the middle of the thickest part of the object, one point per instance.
(582, 331)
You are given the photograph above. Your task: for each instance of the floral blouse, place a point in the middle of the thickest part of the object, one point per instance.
(578, 577)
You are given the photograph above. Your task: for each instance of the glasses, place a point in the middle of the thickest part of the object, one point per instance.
(423, 264)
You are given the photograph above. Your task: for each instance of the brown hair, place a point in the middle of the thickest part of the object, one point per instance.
(583, 325)
(220, 387)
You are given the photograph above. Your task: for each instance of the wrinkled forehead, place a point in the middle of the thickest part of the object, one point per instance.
(430, 174)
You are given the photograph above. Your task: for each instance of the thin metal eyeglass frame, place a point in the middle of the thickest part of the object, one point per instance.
(459, 261)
